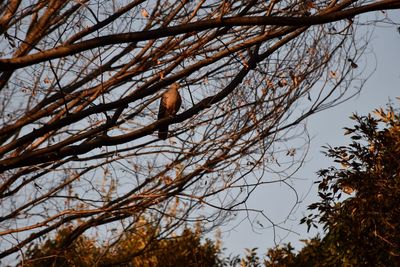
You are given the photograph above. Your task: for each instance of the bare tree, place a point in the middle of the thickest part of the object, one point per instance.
(80, 88)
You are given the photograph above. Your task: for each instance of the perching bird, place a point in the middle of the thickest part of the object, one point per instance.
(169, 105)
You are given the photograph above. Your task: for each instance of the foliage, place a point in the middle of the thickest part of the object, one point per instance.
(280, 256)
(251, 258)
(131, 249)
(362, 228)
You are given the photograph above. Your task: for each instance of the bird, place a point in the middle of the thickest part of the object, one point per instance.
(169, 105)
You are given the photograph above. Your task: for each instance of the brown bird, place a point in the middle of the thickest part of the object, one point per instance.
(169, 105)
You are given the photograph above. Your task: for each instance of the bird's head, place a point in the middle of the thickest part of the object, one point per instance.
(175, 86)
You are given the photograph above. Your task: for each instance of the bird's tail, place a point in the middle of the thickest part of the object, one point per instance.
(163, 132)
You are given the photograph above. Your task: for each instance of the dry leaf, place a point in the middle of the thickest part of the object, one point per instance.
(145, 13)
(310, 4)
(347, 189)
(282, 83)
(352, 64)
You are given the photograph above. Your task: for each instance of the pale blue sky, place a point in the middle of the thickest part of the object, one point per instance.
(324, 128)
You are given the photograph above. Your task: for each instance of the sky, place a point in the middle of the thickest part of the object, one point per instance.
(324, 128)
